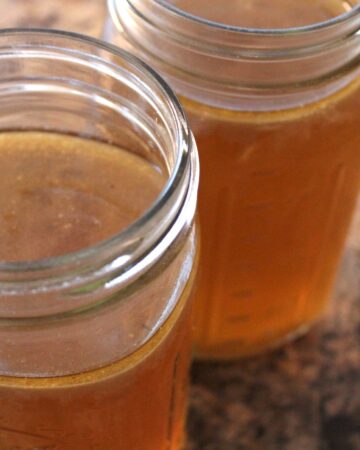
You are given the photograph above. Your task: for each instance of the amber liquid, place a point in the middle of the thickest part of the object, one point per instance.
(266, 14)
(62, 193)
(59, 194)
(136, 403)
(277, 193)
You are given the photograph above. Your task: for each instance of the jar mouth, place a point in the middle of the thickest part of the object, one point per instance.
(132, 243)
(237, 67)
(206, 37)
(300, 30)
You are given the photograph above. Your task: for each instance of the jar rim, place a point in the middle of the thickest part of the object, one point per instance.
(300, 30)
(185, 164)
(259, 69)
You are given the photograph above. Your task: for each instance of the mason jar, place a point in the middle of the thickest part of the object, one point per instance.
(273, 96)
(94, 343)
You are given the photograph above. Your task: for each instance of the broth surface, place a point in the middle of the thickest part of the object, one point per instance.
(59, 194)
(266, 13)
(62, 193)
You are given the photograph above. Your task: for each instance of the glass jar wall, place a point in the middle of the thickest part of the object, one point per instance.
(275, 111)
(94, 341)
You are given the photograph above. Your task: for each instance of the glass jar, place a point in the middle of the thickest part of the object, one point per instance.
(95, 345)
(275, 113)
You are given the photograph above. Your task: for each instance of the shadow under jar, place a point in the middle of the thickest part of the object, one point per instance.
(273, 96)
(99, 178)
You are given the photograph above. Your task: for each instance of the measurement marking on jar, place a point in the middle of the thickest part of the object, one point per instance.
(172, 406)
(338, 178)
(248, 266)
(260, 206)
(253, 238)
(241, 318)
(278, 203)
(266, 173)
(22, 432)
(223, 210)
(16, 447)
(51, 447)
(243, 294)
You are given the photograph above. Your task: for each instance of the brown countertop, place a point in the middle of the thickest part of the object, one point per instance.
(305, 396)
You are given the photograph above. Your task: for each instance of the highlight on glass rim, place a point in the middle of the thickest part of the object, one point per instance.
(179, 224)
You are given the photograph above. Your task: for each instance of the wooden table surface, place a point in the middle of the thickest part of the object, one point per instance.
(305, 396)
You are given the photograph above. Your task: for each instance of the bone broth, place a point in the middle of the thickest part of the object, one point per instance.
(97, 248)
(271, 89)
(137, 402)
(274, 215)
(60, 194)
